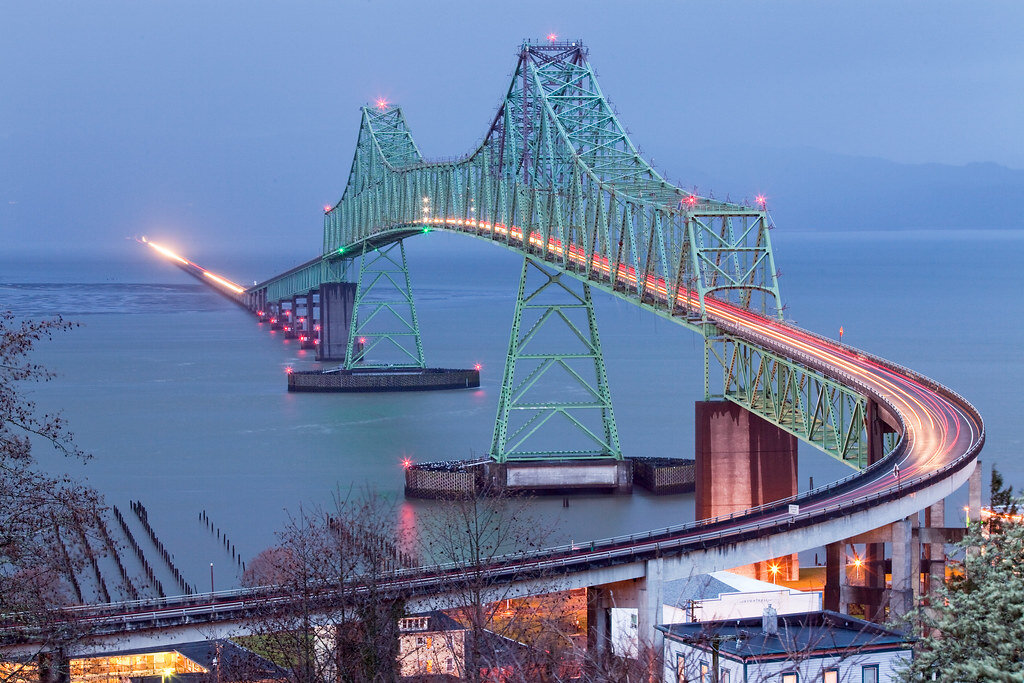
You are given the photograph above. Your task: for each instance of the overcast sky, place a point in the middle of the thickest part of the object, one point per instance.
(234, 122)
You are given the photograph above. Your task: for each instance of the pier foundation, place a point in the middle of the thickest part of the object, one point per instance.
(336, 302)
(743, 461)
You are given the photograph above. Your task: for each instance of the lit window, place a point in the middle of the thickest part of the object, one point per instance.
(790, 678)
(704, 673)
(830, 676)
(680, 669)
(869, 673)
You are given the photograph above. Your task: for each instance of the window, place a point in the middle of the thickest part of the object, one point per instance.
(449, 665)
(632, 620)
(704, 673)
(791, 678)
(680, 669)
(830, 676)
(724, 676)
(869, 673)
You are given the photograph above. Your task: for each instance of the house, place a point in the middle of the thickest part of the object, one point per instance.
(432, 646)
(714, 596)
(795, 648)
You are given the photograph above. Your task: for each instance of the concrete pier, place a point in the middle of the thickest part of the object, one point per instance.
(562, 476)
(461, 479)
(382, 379)
(336, 302)
(743, 461)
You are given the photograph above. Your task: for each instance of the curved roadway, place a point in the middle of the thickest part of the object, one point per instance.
(942, 435)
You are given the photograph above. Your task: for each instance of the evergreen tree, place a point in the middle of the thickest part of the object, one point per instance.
(974, 628)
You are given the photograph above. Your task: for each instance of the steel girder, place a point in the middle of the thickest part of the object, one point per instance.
(816, 409)
(384, 314)
(525, 414)
(557, 178)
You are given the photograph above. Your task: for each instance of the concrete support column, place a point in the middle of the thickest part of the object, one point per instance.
(835, 578)
(743, 461)
(650, 605)
(873, 577)
(974, 493)
(336, 302)
(901, 597)
(291, 318)
(935, 518)
(915, 557)
(599, 623)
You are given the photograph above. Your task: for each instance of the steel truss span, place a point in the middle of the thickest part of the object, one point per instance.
(557, 179)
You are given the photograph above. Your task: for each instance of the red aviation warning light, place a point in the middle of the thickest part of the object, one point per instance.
(760, 199)
(406, 463)
(382, 104)
(327, 208)
(691, 200)
(552, 37)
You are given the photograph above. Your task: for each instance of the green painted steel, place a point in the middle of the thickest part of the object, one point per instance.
(557, 179)
(816, 409)
(384, 314)
(525, 414)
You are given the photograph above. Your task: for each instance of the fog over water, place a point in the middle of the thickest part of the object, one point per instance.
(181, 396)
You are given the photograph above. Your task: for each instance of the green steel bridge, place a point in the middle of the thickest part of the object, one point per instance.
(557, 180)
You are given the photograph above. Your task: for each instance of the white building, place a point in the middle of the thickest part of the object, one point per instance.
(716, 596)
(796, 648)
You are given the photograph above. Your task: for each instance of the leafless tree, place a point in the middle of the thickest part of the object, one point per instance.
(331, 618)
(503, 633)
(39, 512)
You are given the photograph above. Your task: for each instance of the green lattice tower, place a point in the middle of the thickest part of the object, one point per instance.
(556, 178)
(384, 313)
(528, 412)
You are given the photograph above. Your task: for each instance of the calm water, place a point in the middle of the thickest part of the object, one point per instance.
(181, 396)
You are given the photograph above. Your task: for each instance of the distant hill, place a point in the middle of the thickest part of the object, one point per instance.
(813, 190)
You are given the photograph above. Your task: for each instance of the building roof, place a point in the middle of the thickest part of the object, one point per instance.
(234, 659)
(805, 632)
(712, 586)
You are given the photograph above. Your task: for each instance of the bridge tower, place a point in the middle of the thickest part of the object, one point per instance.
(384, 312)
(555, 425)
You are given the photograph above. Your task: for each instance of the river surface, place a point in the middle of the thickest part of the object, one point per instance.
(181, 396)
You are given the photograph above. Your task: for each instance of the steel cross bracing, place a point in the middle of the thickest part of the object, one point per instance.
(816, 409)
(554, 303)
(558, 179)
(384, 313)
